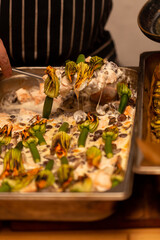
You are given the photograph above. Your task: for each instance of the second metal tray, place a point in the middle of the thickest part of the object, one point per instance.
(148, 62)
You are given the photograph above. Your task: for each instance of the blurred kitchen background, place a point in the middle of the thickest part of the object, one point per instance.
(130, 41)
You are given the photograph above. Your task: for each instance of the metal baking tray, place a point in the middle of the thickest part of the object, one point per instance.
(63, 206)
(148, 62)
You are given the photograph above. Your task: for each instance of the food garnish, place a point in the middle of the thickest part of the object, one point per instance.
(118, 174)
(124, 93)
(5, 187)
(30, 141)
(83, 185)
(37, 129)
(93, 156)
(60, 144)
(5, 135)
(110, 134)
(70, 70)
(65, 173)
(51, 89)
(16, 183)
(116, 180)
(13, 165)
(94, 64)
(45, 178)
(83, 73)
(90, 125)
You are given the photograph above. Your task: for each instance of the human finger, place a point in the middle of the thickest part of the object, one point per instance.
(4, 61)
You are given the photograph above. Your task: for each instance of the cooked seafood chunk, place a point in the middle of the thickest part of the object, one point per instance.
(23, 95)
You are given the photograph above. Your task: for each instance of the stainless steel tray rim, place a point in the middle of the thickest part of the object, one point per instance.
(65, 196)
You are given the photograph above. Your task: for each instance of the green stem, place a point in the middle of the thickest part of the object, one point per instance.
(64, 160)
(34, 152)
(81, 58)
(123, 103)
(19, 145)
(64, 127)
(5, 187)
(40, 137)
(108, 147)
(47, 107)
(49, 165)
(82, 137)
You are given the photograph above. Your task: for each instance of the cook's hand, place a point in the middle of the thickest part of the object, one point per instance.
(4, 61)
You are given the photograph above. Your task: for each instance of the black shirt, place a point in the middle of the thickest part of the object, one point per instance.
(43, 32)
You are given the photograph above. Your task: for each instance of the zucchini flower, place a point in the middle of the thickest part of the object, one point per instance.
(124, 93)
(90, 125)
(13, 165)
(95, 63)
(60, 144)
(93, 156)
(118, 175)
(65, 174)
(84, 185)
(70, 70)
(110, 134)
(16, 183)
(51, 89)
(37, 129)
(30, 141)
(82, 77)
(5, 135)
(44, 179)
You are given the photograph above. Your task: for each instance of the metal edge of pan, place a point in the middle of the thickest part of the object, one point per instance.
(118, 193)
